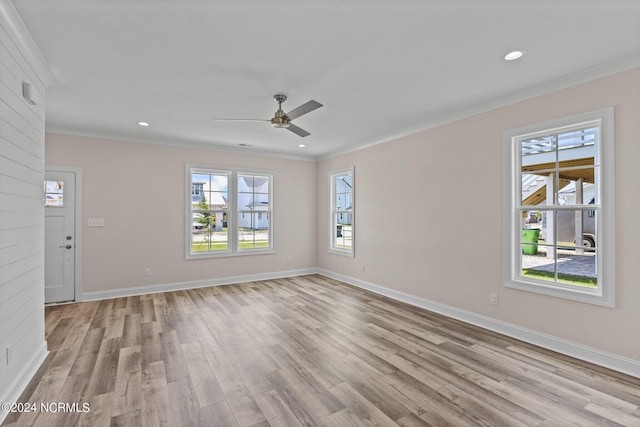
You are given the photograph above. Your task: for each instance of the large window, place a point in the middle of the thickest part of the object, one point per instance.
(229, 212)
(559, 208)
(342, 212)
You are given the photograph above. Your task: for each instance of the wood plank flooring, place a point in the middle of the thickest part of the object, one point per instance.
(305, 351)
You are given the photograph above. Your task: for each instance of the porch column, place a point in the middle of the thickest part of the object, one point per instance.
(579, 216)
(550, 234)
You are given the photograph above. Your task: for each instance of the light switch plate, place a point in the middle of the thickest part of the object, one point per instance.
(95, 222)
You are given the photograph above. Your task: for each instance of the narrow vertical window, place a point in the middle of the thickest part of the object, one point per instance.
(342, 212)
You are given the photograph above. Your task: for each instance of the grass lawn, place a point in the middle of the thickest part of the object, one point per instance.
(211, 244)
(205, 246)
(222, 246)
(587, 281)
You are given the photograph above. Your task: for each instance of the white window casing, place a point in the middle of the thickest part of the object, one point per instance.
(342, 212)
(543, 158)
(236, 218)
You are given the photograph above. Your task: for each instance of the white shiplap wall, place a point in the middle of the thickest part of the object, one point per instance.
(22, 343)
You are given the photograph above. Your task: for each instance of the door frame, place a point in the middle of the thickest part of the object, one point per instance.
(77, 226)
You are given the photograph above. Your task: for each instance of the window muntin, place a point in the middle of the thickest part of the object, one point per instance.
(229, 212)
(342, 212)
(558, 206)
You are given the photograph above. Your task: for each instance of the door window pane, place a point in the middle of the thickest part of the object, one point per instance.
(54, 193)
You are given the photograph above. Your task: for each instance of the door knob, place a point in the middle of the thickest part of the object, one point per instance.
(66, 246)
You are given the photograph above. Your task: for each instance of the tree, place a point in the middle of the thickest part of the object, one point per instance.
(207, 220)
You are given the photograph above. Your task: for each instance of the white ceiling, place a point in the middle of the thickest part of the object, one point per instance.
(381, 68)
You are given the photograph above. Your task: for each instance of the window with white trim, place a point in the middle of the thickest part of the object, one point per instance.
(558, 219)
(229, 212)
(254, 211)
(342, 212)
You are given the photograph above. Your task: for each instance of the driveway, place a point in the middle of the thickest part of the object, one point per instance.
(568, 263)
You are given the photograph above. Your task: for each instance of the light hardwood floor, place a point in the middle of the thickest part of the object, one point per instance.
(305, 351)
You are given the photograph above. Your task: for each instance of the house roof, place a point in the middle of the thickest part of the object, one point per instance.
(215, 199)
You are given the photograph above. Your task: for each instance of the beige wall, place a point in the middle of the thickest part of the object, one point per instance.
(429, 217)
(139, 190)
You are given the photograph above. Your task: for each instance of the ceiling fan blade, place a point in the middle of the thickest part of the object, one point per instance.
(297, 130)
(240, 120)
(303, 109)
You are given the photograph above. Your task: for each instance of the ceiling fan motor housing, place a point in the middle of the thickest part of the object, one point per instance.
(280, 120)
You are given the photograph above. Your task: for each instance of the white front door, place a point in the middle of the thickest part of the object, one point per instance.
(59, 236)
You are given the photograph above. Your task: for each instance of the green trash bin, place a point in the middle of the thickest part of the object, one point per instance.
(530, 236)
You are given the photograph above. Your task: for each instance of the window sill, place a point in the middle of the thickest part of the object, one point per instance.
(349, 254)
(588, 296)
(245, 252)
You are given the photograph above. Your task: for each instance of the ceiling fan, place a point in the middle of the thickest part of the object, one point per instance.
(282, 119)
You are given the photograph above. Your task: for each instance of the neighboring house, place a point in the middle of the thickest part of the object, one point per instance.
(253, 202)
(254, 215)
(257, 218)
(344, 200)
(215, 200)
(197, 191)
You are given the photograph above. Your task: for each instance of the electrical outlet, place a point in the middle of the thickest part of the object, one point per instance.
(8, 354)
(362, 267)
(289, 259)
(147, 272)
(493, 298)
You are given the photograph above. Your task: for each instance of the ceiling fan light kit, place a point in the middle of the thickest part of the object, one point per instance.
(283, 120)
(280, 122)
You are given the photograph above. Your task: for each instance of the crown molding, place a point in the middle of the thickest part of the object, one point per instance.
(179, 143)
(618, 65)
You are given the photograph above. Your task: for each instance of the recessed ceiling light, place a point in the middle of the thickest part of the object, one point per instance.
(301, 145)
(513, 55)
(145, 124)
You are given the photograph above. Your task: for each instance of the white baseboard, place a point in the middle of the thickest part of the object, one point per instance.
(12, 394)
(180, 286)
(559, 345)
